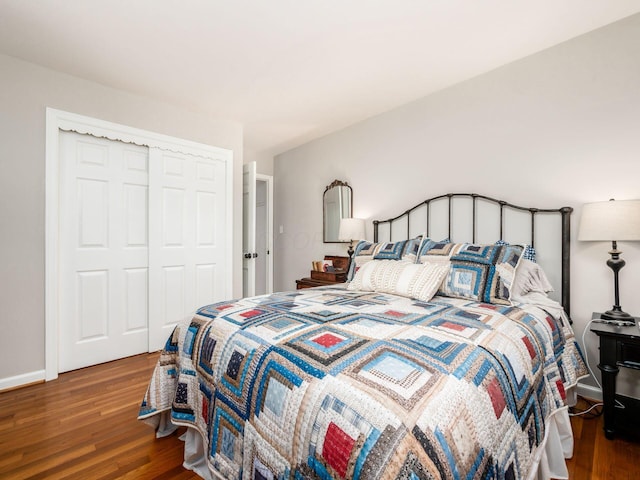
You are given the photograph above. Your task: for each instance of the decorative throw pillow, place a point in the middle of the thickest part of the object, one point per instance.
(529, 252)
(414, 280)
(390, 250)
(432, 251)
(412, 249)
(362, 278)
(366, 251)
(423, 280)
(483, 273)
(362, 253)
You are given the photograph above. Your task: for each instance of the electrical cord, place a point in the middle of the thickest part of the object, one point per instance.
(595, 407)
(592, 405)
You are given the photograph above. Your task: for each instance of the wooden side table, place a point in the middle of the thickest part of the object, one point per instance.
(319, 279)
(309, 282)
(619, 347)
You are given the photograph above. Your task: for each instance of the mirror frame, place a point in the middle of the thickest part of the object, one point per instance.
(335, 184)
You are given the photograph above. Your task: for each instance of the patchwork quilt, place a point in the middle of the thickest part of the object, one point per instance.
(327, 383)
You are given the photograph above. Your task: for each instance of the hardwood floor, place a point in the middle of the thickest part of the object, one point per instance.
(83, 426)
(596, 458)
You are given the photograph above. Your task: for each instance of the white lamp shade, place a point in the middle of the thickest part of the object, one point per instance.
(351, 229)
(609, 221)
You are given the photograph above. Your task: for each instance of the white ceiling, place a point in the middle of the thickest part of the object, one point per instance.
(290, 70)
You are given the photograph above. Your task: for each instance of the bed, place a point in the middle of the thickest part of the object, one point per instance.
(438, 359)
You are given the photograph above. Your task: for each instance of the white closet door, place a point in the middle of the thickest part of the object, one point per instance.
(103, 261)
(187, 241)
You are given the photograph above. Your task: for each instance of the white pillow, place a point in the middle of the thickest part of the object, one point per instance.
(419, 281)
(530, 277)
(362, 280)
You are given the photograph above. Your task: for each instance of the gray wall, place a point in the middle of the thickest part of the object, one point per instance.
(25, 92)
(561, 127)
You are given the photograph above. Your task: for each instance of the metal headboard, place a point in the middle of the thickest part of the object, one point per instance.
(565, 218)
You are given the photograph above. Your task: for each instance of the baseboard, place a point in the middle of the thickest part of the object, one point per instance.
(587, 391)
(10, 383)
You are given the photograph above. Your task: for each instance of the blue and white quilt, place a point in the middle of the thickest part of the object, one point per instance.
(328, 383)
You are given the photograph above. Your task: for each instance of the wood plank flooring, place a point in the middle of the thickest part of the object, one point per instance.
(596, 458)
(83, 426)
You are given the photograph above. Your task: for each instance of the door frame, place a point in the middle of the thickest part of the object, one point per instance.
(57, 120)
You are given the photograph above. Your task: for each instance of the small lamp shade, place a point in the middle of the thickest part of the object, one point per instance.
(351, 229)
(613, 220)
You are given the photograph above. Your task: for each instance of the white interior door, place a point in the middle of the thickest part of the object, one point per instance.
(187, 238)
(261, 238)
(264, 234)
(103, 250)
(249, 253)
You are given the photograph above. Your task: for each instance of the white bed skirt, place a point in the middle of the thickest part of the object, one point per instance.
(550, 458)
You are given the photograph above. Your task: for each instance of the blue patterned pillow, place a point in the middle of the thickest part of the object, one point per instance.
(483, 273)
(366, 251)
(442, 248)
(366, 248)
(412, 249)
(529, 252)
(390, 251)
(362, 253)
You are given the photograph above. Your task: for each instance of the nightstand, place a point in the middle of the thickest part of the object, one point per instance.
(319, 279)
(309, 282)
(619, 347)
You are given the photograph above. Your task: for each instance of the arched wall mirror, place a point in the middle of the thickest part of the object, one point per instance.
(336, 204)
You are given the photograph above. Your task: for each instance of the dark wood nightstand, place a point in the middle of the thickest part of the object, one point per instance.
(309, 282)
(619, 347)
(319, 279)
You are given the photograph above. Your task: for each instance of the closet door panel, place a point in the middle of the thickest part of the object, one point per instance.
(136, 302)
(103, 257)
(135, 213)
(187, 241)
(92, 307)
(205, 283)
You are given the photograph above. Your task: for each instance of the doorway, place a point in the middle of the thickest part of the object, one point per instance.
(257, 207)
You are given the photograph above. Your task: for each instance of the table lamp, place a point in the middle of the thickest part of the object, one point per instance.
(351, 229)
(612, 221)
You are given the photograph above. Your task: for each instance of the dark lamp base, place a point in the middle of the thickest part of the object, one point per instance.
(616, 315)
